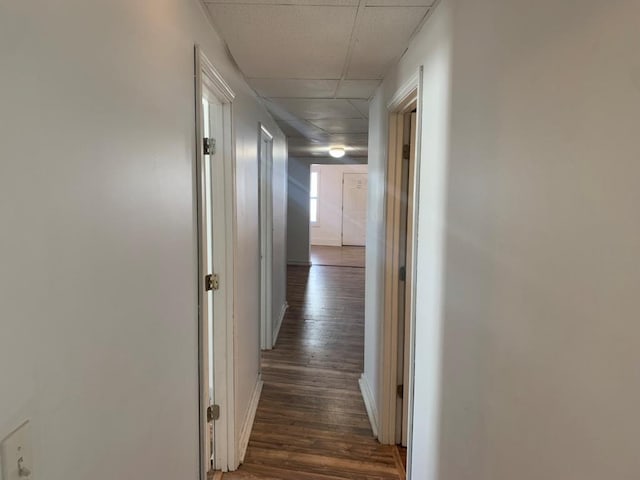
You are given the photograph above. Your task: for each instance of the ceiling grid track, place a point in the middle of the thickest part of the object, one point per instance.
(354, 38)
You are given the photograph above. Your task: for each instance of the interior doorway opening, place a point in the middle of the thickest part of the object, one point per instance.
(213, 179)
(265, 196)
(396, 418)
(338, 214)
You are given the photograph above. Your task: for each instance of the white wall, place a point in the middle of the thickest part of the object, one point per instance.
(529, 122)
(98, 329)
(298, 204)
(247, 289)
(432, 50)
(328, 229)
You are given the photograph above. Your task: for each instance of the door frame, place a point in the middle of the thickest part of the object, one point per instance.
(408, 97)
(265, 198)
(206, 76)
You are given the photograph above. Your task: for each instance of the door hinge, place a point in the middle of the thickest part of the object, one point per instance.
(209, 146)
(400, 391)
(211, 282)
(213, 413)
(402, 274)
(406, 152)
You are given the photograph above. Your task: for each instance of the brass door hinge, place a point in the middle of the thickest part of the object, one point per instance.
(406, 152)
(213, 413)
(211, 282)
(400, 391)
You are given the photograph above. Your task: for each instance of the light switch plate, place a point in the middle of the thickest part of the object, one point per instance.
(16, 452)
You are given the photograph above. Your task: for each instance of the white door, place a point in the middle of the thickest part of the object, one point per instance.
(212, 133)
(354, 209)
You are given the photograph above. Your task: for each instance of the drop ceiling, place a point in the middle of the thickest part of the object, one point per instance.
(316, 63)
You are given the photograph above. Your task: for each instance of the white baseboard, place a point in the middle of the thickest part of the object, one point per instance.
(327, 242)
(247, 425)
(276, 331)
(369, 403)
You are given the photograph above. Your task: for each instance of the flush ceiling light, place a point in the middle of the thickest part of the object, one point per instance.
(336, 152)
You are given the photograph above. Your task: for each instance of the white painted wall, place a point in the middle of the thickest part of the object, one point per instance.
(298, 204)
(98, 330)
(328, 229)
(247, 305)
(529, 240)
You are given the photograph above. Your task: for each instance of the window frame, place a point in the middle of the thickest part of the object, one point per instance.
(315, 222)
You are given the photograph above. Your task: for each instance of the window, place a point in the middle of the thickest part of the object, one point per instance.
(313, 198)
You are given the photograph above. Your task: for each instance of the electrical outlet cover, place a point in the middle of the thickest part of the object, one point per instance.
(16, 450)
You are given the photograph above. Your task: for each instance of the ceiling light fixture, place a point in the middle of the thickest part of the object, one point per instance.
(336, 152)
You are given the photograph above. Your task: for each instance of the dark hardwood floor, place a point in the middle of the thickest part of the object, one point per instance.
(311, 422)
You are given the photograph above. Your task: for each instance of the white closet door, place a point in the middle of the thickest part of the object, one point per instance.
(354, 209)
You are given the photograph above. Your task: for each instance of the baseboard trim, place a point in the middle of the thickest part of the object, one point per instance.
(327, 243)
(276, 332)
(369, 403)
(296, 263)
(247, 425)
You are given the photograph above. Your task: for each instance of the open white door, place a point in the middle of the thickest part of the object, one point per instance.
(406, 280)
(354, 209)
(402, 200)
(212, 130)
(214, 199)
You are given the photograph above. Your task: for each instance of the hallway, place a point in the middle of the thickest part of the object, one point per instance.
(311, 422)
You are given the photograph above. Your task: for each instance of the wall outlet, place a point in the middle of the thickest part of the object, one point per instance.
(16, 455)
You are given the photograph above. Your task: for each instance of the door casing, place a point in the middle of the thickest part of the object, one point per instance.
(265, 187)
(223, 205)
(406, 99)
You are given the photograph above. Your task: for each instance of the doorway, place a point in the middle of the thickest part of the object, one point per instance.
(399, 266)
(211, 128)
(337, 214)
(265, 195)
(213, 178)
(406, 274)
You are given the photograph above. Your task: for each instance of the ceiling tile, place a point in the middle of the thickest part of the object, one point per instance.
(350, 3)
(285, 41)
(382, 38)
(400, 3)
(289, 130)
(343, 125)
(362, 106)
(293, 88)
(362, 89)
(355, 146)
(303, 129)
(314, 109)
(349, 138)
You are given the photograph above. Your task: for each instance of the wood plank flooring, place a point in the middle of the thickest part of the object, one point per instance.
(338, 256)
(311, 422)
